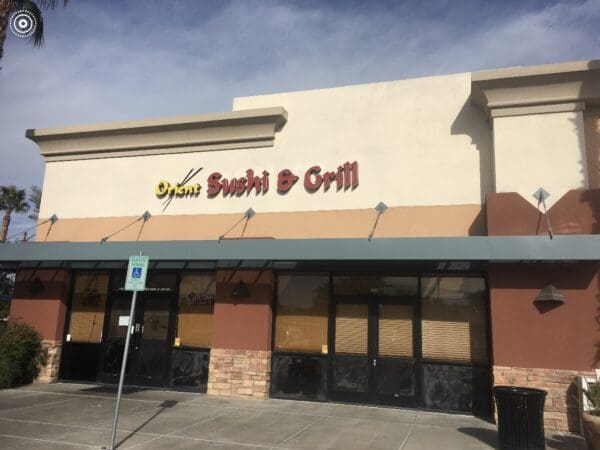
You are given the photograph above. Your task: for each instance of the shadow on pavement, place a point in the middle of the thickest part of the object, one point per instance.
(164, 405)
(111, 390)
(485, 435)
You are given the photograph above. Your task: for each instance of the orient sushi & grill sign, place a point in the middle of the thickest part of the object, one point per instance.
(258, 182)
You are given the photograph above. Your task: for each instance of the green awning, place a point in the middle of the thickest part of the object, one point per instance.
(477, 248)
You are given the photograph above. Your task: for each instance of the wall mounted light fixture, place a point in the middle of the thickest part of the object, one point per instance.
(550, 295)
(240, 290)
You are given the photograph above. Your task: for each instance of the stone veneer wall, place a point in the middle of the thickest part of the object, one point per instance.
(561, 410)
(49, 372)
(239, 373)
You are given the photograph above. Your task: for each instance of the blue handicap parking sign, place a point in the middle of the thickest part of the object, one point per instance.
(136, 272)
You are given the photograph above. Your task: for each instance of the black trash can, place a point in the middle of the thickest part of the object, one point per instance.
(520, 417)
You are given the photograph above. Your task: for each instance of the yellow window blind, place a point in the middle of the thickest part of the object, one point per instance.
(196, 304)
(351, 328)
(396, 330)
(87, 310)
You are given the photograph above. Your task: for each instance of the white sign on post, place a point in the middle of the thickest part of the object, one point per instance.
(136, 273)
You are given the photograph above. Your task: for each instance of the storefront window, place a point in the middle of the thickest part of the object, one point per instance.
(302, 313)
(454, 319)
(196, 304)
(87, 310)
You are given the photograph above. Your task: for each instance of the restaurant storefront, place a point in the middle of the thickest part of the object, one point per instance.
(389, 244)
(404, 340)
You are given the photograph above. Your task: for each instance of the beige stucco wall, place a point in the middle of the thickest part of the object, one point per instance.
(540, 150)
(418, 142)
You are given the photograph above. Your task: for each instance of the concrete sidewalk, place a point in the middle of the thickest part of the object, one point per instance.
(70, 416)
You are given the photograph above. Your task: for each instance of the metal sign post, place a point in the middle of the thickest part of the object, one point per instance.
(136, 281)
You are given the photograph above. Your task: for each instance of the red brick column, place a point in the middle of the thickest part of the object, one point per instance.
(40, 300)
(240, 358)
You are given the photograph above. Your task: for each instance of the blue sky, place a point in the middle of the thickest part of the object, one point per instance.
(112, 60)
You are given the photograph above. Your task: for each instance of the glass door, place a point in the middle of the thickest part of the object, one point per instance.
(351, 357)
(150, 333)
(394, 361)
(374, 352)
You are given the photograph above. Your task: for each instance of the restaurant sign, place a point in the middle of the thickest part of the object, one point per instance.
(344, 177)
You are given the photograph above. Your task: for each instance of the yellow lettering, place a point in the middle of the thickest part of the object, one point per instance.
(162, 188)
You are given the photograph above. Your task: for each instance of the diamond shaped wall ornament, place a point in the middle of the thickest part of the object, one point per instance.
(249, 214)
(541, 195)
(381, 207)
(549, 293)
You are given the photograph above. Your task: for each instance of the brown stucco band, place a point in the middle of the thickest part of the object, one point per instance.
(577, 212)
(40, 300)
(243, 323)
(562, 336)
(415, 221)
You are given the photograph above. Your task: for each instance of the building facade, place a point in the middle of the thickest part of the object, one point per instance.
(376, 243)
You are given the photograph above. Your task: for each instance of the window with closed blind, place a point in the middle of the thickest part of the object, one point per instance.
(196, 304)
(87, 309)
(301, 313)
(454, 319)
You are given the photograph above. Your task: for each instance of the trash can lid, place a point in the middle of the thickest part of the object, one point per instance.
(519, 390)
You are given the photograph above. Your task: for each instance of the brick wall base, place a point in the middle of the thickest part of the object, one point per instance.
(49, 372)
(561, 410)
(239, 373)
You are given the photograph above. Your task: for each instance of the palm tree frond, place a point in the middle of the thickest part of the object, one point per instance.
(37, 38)
(13, 199)
(50, 4)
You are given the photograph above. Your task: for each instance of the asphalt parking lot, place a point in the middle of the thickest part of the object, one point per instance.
(71, 416)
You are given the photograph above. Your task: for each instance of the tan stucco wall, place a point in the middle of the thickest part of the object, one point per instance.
(421, 221)
(418, 142)
(540, 150)
(592, 142)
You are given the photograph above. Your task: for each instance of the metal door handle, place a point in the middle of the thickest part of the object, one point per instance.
(374, 362)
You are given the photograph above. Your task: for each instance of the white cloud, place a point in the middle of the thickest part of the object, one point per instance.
(107, 62)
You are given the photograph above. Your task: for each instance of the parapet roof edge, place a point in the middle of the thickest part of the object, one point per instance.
(278, 113)
(241, 129)
(542, 69)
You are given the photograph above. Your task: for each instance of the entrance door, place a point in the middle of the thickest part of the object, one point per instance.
(373, 358)
(150, 337)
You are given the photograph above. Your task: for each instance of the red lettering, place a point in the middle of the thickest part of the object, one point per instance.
(228, 186)
(346, 175)
(240, 186)
(339, 178)
(308, 183)
(354, 171)
(265, 182)
(214, 186)
(328, 177)
(253, 182)
(285, 180)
